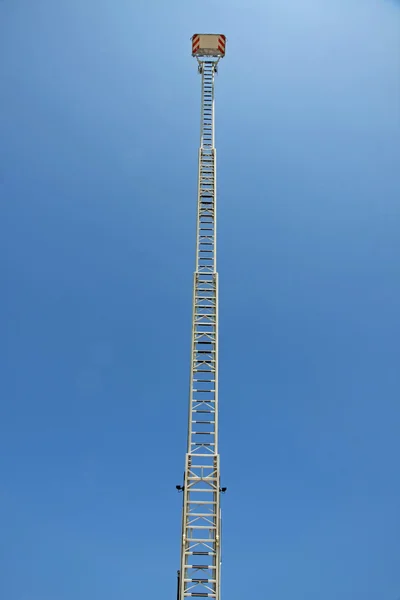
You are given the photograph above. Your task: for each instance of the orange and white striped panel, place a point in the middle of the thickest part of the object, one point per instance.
(195, 43)
(221, 43)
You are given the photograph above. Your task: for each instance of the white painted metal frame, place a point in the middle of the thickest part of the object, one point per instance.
(201, 524)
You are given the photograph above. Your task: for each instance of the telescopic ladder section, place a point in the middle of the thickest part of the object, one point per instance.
(199, 575)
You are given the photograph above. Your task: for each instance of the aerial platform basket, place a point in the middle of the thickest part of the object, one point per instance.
(208, 44)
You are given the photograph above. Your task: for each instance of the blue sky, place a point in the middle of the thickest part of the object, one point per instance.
(98, 145)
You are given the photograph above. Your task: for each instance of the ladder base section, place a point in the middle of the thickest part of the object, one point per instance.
(201, 528)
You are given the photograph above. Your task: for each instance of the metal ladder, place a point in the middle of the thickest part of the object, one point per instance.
(199, 575)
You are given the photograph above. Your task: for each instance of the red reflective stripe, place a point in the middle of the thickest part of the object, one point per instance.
(195, 38)
(221, 49)
(221, 40)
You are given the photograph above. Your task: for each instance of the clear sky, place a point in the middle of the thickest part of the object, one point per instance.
(99, 118)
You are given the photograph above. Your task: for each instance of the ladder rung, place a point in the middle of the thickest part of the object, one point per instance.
(199, 445)
(202, 502)
(203, 515)
(209, 490)
(187, 594)
(201, 527)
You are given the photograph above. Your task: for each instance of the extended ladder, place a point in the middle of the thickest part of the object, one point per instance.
(199, 575)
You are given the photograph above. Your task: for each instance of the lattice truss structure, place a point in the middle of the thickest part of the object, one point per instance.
(199, 575)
